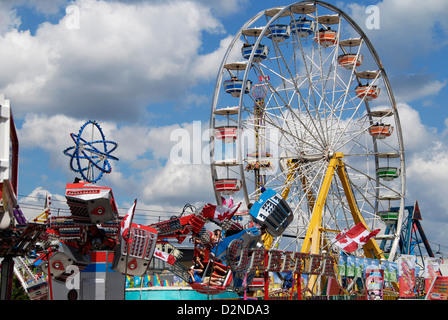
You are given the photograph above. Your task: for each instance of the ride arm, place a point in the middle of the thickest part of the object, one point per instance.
(179, 227)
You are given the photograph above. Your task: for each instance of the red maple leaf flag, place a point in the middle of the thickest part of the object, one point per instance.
(351, 239)
(164, 256)
(126, 223)
(218, 213)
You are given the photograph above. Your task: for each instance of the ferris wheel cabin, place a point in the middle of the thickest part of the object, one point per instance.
(349, 61)
(388, 172)
(326, 37)
(235, 86)
(228, 186)
(389, 217)
(381, 131)
(303, 28)
(261, 52)
(228, 134)
(279, 32)
(367, 92)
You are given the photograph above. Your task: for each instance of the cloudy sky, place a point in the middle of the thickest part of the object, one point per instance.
(144, 69)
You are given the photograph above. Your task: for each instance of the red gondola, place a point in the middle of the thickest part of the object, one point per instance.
(228, 186)
(228, 134)
(207, 286)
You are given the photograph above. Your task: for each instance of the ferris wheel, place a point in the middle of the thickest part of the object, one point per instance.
(302, 105)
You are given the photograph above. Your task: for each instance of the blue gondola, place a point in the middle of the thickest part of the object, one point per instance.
(235, 87)
(302, 28)
(279, 32)
(260, 54)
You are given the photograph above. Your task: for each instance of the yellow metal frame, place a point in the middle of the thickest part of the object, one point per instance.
(312, 242)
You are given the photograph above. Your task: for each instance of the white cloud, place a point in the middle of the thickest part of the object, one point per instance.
(123, 57)
(426, 171)
(144, 168)
(51, 134)
(408, 30)
(416, 135)
(410, 87)
(180, 184)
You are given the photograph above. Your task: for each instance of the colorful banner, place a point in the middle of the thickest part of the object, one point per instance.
(374, 284)
(358, 266)
(350, 271)
(393, 270)
(342, 265)
(406, 272)
(432, 270)
(438, 289)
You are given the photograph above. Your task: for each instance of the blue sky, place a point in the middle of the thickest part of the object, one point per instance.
(145, 68)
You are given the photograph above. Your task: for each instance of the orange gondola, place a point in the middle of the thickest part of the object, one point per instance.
(348, 61)
(326, 38)
(381, 131)
(367, 92)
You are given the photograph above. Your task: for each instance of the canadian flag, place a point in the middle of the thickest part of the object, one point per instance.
(218, 213)
(126, 223)
(351, 239)
(164, 256)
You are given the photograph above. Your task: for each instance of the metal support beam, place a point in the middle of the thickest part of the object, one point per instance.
(311, 243)
(371, 248)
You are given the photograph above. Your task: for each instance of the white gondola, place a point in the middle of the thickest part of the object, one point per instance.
(303, 8)
(273, 11)
(328, 19)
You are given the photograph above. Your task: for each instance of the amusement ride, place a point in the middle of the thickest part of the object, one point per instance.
(306, 143)
(302, 105)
